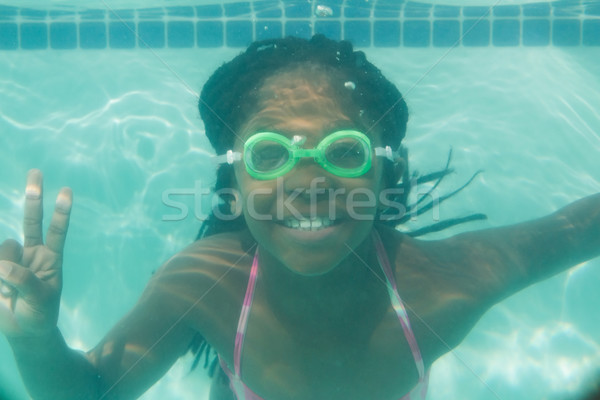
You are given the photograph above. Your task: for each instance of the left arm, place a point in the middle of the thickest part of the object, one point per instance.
(508, 259)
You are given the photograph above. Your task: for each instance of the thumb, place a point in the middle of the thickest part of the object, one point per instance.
(11, 250)
(19, 278)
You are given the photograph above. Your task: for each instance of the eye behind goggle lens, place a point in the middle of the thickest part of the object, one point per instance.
(267, 155)
(347, 153)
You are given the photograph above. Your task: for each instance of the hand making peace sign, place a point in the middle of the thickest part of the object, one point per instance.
(31, 275)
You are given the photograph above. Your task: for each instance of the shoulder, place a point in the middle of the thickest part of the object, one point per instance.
(204, 280)
(407, 253)
(211, 254)
(436, 279)
(458, 263)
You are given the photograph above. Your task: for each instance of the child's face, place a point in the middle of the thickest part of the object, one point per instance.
(344, 208)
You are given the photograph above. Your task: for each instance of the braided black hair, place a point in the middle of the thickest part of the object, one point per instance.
(229, 98)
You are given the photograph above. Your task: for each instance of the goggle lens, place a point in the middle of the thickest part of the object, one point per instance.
(347, 153)
(267, 155)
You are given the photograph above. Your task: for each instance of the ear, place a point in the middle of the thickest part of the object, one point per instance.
(227, 186)
(393, 172)
(399, 168)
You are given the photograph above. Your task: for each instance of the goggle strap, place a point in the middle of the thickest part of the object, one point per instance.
(386, 152)
(230, 157)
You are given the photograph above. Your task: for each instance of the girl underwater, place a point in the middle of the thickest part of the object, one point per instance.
(299, 281)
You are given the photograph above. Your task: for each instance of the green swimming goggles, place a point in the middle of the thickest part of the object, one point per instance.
(345, 153)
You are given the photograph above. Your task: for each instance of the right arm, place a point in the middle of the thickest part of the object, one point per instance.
(133, 355)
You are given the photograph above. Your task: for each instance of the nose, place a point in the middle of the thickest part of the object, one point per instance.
(309, 179)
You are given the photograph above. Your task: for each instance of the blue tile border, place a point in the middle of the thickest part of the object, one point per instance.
(151, 34)
(330, 28)
(507, 11)
(446, 11)
(63, 35)
(209, 11)
(92, 35)
(33, 35)
(238, 33)
(566, 32)
(209, 34)
(591, 33)
(238, 9)
(415, 33)
(32, 14)
(7, 13)
(366, 23)
(121, 35)
(446, 33)
(180, 11)
(417, 10)
(9, 36)
(358, 32)
(180, 34)
(302, 10)
(268, 9)
(386, 33)
(476, 33)
(268, 30)
(506, 32)
(302, 29)
(95, 15)
(536, 32)
(387, 9)
(536, 10)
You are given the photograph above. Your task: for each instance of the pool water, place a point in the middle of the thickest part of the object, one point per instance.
(121, 127)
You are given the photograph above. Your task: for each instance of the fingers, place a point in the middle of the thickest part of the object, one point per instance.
(16, 277)
(57, 231)
(11, 250)
(32, 221)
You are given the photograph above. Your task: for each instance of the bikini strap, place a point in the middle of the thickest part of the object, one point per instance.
(243, 321)
(398, 305)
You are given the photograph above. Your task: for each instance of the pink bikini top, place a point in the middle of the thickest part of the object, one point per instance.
(243, 392)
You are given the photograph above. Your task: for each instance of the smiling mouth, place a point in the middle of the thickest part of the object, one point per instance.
(313, 224)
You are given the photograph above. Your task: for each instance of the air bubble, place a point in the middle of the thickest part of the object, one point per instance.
(350, 85)
(323, 11)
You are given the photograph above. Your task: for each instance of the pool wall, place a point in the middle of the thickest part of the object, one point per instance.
(365, 23)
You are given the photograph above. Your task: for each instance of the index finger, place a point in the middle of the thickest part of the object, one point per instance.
(33, 213)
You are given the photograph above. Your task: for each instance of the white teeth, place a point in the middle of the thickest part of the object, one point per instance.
(308, 225)
(305, 224)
